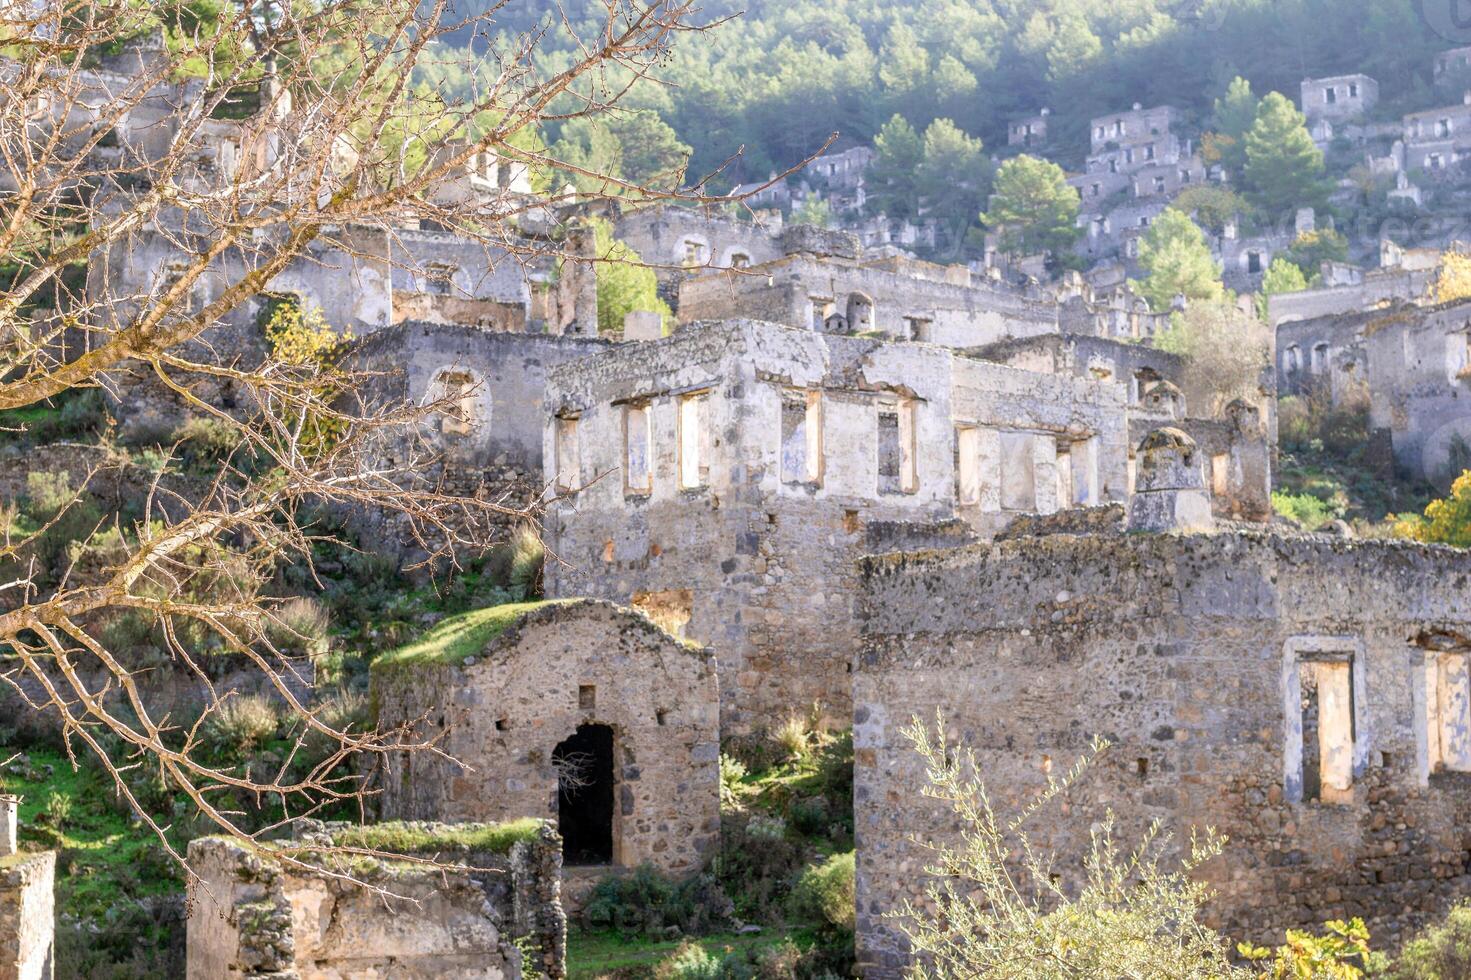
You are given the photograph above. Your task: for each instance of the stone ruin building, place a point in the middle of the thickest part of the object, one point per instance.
(1407, 364)
(1307, 696)
(581, 713)
(725, 478)
(469, 914)
(27, 903)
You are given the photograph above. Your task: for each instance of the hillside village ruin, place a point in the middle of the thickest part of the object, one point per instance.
(847, 480)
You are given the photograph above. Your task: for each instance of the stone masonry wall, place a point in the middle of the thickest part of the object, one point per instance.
(765, 555)
(27, 915)
(1184, 652)
(563, 666)
(252, 916)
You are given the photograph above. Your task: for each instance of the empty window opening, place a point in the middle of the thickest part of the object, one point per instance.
(1320, 358)
(919, 328)
(587, 696)
(670, 609)
(174, 273)
(585, 783)
(821, 310)
(1141, 766)
(569, 461)
(1064, 476)
(439, 278)
(502, 725)
(1018, 472)
(740, 260)
(1220, 473)
(1353, 90)
(1253, 262)
(1448, 711)
(456, 395)
(860, 313)
(694, 442)
(1327, 730)
(638, 475)
(1330, 95)
(661, 716)
(968, 466)
(1292, 359)
(801, 437)
(897, 471)
(694, 253)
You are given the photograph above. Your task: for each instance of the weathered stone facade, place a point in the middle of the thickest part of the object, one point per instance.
(27, 902)
(844, 296)
(567, 673)
(492, 448)
(1201, 658)
(737, 465)
(252, 916)
(1419, 368)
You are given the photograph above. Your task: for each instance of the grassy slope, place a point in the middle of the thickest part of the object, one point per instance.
(111, 858)
(457, 637)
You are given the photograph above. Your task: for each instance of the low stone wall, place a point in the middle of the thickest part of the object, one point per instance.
(251, 915)
(1187, 653)
(27, 915)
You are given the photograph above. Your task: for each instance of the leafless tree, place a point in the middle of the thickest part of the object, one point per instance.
(250, 142)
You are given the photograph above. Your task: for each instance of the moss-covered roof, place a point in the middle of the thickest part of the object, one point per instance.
(454, 638)
(397, 837)
(469, 634)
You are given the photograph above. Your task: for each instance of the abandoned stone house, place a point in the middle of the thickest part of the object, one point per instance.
(1236, 448)
(486, 443)
(1419, 366)
(1404, 275)
(468, 914)
(725, 478)
(581, 713)
(848, 296)
(1028, 131)
(1325, 356)
(1306, 696)
(1339, 98)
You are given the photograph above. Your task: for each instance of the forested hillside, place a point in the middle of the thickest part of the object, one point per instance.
(783, 74)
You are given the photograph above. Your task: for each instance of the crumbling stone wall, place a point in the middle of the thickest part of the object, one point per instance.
(805, 291)
(1325, 356)
(798, 460)
(496, 453)
(1185, 651)
(1419, 371)
(252, 916)
(560, 667)
(27, 915)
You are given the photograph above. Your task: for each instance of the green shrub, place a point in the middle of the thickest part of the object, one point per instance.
(237, 727)
(1307, 510)
(516, 565)
(59, 809)
(205, 440)
(792, 739)
(757, 865)
(648, 902)
(835, 781)
(300, 626)
(689, 962)
(825, 893)
(732, 771)
(1439, 952)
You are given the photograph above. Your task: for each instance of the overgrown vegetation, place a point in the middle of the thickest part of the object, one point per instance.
(401, 838)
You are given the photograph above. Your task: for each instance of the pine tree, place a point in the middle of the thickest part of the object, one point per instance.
(1033, 207)
(1177, 262)
(1235, 114)
(1284, 170)
(893, 173)
(1283, 276)
(954, 176)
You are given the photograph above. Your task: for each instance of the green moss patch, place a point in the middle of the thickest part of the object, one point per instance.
(415, 839)
(456, 637)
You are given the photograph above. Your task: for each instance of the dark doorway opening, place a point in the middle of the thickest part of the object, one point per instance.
(584, 765)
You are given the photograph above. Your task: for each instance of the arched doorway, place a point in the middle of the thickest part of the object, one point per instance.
(584, 766)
